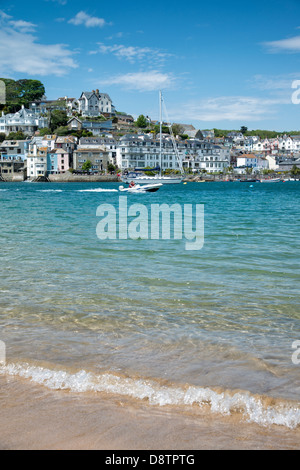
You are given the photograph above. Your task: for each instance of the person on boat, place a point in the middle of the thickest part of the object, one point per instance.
(131, 184)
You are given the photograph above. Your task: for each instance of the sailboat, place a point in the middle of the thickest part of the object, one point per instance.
(140, 178)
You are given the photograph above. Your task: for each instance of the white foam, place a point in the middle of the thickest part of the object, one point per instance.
(224, 402)
(97, 190)
(50, 190)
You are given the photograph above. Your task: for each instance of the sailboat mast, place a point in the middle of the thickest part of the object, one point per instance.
(160, 132)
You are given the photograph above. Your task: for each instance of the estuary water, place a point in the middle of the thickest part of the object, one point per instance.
(217, 328)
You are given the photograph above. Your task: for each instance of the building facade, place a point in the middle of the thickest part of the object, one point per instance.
(97, 155)
(37, 161)
(143, 151)
(94, 103)
(23, 120)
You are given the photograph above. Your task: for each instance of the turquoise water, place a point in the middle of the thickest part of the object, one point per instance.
(146, 317)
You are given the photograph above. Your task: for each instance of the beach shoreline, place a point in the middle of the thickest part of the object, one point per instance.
(36, 418)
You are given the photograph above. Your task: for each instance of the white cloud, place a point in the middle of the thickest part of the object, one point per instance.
(23, 26)
(21, 52)
(230, 108)
(284, 45)
(4, 15)
(87, 20)
(132, 53)
(142, 81)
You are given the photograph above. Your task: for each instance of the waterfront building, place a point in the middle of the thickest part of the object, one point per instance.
(109, 143)
(255, 162)
(58, 161)
(10, 165)
(142, 151)
(97, 155)
(36, 161)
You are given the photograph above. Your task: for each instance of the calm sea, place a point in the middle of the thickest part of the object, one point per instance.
(149, 319)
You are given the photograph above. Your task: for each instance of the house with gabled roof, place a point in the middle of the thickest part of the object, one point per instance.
(93, 103)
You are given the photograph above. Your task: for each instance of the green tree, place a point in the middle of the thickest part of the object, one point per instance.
(295, 171)
(141, 121)
(16, 136)
(21, 92)
(61, 131)
(58, 118)
(87, 166)
(244, 129)
(110, 168)
(2, 136)
(177, 129)
(45, 131)
(164, 129)
(30, 90)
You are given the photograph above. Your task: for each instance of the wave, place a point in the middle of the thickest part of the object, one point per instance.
(97, 190)
(257, 409)
(50, 190)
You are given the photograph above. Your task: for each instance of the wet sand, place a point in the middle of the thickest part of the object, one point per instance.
(35, 418)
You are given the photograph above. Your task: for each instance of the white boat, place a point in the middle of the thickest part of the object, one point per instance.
(271, 180)
(140, 178)
(136, 188)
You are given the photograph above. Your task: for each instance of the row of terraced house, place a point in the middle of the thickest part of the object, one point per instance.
(50, 154)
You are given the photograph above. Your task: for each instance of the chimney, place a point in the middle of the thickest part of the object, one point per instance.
(97, 93)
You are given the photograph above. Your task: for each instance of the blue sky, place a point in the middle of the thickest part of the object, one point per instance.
(219, 64)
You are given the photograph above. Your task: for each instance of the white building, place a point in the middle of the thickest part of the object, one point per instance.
(36, 161)
(23, 120)
(93, 103)
(144, 151)
(252, 161)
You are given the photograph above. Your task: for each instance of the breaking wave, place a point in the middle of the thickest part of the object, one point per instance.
(257, 409)
(97, 190)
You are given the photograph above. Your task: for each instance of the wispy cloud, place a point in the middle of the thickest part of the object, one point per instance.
(142, 81)
(20, 51)
(132, 53)
(229, 108)
(19, 25)
(23, 26)
(291, 45)
(61, 2)
(82, 18)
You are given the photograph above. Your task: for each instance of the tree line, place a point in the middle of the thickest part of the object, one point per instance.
(20, 92)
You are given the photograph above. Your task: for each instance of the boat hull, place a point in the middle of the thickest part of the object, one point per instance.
(273, 180)
(147, 188)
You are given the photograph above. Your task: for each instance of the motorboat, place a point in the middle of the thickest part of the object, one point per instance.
(137, 188)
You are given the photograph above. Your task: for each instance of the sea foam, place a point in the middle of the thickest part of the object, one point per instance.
(226, 402)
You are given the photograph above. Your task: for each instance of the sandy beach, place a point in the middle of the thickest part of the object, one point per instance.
(34, 418)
